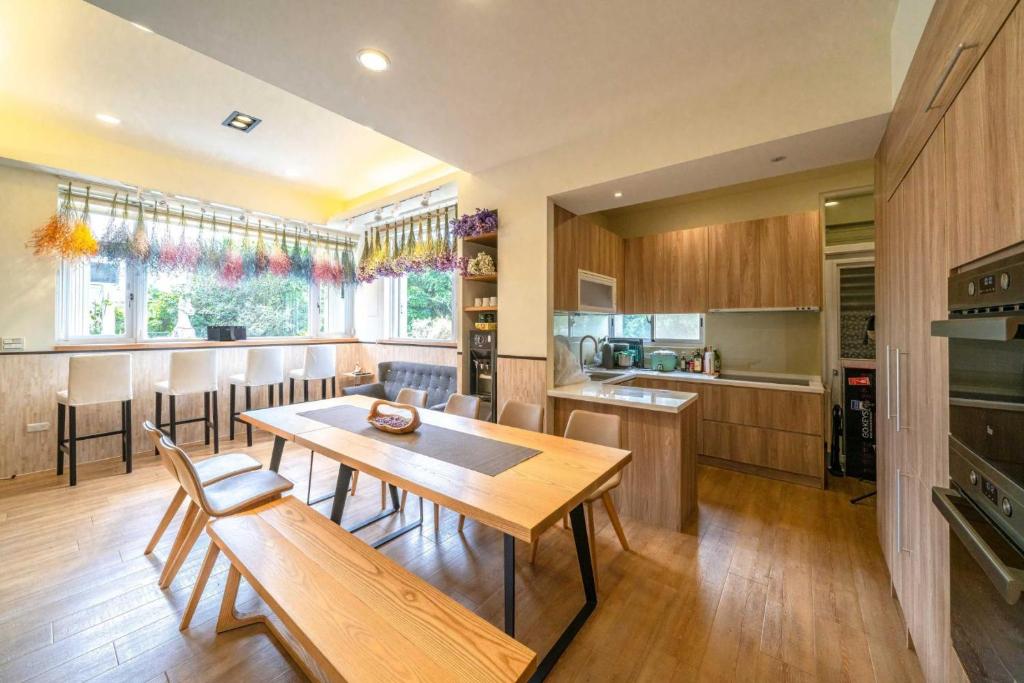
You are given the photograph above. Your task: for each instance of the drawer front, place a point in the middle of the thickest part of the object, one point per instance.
(790, 411)
(783, 451)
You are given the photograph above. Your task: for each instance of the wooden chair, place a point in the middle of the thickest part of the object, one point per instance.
(529, 416)
(211, 470)
(605, 430)
(411, 397)
(227, 497)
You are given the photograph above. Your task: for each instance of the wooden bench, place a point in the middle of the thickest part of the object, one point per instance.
(350, 613)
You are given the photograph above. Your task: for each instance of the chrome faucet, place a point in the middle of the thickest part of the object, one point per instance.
(584, 338)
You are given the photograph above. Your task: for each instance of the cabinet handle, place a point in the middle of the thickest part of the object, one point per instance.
(899, 510)
(960, 49)
(898, 424)
(888, 388)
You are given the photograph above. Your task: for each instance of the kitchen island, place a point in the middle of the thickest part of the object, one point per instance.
(660, 428)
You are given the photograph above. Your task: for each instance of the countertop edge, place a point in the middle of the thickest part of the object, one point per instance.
(816, 388)
(571, 392)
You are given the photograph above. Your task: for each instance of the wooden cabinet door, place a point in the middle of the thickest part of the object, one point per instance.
(733, 265)
(789, 268)
(582, 245)
(666, 272)
(985, 151)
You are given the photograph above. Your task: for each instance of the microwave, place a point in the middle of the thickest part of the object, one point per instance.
(596, 293)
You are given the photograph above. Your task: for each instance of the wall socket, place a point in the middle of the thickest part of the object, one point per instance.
(37, 427)
(13, 344)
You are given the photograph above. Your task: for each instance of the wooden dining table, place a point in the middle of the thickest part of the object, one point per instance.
(520, 502)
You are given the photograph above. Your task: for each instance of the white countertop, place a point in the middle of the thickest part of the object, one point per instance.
(630, 397)
(759, 380)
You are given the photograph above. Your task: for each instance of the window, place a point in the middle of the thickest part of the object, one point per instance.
(96, 298)
(680, 328)
(423, 306)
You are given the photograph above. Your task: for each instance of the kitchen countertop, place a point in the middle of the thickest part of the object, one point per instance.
(630, 397)
(759, 380)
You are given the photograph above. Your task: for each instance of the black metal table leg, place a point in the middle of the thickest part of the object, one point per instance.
(510, 585)
(275, 455)
(579, 533)
(341, 492)
(338, 509)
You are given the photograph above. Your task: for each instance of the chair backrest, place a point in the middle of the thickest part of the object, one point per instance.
(604, 430)
(461, 404)
(99, 378)
(187, 475)
(264, 365)
(412, 397)
(522, 415)
(155, 435)
(320, 362)
(193, 372)
(439, 381)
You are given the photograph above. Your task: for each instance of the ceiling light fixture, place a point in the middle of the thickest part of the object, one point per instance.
(144, 29)
(108, 119)
(832, 202)
(374, 60)
(777, 159)
(242, 122)
(617, 195)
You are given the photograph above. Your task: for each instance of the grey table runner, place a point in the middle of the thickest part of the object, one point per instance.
(473, 452)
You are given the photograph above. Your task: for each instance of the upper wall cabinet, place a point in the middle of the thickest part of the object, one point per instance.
(666, 272)
(765, 263)
(984, 148)
(954, 40)
(582, 245)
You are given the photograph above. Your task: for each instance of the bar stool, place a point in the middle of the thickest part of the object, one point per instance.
(264, 366)
(210, 470)
(319, 363)
(192, 372)
(94, 379)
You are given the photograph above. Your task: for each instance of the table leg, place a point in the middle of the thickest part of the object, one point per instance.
(510, 585)
(579, 534)
(275, 455)
(341, 492)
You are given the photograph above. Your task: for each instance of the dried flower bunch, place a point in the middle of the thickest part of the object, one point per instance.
(483, 222)
(67, 233)
(413, 245)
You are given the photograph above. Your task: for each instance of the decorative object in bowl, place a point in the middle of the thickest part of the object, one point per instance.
(403, 420)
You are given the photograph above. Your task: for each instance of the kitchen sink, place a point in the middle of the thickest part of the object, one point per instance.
(769, 380)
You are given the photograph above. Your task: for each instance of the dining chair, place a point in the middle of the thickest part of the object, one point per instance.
(226, 497)
(605, 430)
(191, 372)
(522, 415)
(94, 379)
(264, 366)
(211, 470)
(319, 363)
(410, 397)
(463, 405)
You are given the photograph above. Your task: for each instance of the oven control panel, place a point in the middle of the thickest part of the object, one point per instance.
(994, 286)
(990, 490)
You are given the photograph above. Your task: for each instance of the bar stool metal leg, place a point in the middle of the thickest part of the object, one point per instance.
(323, 388)
(305, 390)
(231, 410)
(61, 412)
(248, 406)
(280, 392)
(334, 387)
(127, 426)
(124, 434)
(291, 390)
(174, 418)
(270, 395)
(159, 417)
(206, 418)
(216, 425)
(72, 446)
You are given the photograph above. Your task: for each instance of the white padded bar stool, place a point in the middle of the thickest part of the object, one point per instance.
(319, 364)
(94, 379)
(192, 372)
(264, 366)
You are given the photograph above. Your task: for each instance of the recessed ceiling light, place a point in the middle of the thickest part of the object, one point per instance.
(617, 195)
(242, 122)
(374, 60)
(777, 159)
(107, 118)
(142, 28)
(832, 202)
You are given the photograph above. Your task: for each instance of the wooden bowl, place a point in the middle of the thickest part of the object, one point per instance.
(393, 423)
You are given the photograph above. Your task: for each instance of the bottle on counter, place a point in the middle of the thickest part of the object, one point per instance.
(697, 362)
(709, 360)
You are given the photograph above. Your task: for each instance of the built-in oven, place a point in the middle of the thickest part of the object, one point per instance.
(984, 503)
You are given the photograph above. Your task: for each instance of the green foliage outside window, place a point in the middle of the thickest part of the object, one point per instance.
(429, 305)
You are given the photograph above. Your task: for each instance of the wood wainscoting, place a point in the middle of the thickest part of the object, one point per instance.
(521, 379)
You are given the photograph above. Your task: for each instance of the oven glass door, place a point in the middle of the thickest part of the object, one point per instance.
(988, 633)
(986, 401)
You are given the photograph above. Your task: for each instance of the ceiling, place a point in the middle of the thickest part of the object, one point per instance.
(479, 83)
(71, 58)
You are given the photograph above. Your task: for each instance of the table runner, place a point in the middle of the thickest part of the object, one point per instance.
(477, 453)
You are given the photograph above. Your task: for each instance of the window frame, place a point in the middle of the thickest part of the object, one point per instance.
(395, 315)
(653, 339)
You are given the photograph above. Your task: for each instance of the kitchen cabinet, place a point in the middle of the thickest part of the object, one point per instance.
(786, 452)
(789, 411)
(985, 151)
(765, 263)
(667, 272)
(582, 245)
(673, 385)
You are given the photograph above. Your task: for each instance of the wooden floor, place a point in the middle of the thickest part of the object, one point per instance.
(773, 581)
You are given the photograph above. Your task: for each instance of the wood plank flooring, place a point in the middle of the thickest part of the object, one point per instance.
(772, 582)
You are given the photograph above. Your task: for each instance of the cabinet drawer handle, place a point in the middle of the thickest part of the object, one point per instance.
(888, 388)
(960, 49)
